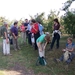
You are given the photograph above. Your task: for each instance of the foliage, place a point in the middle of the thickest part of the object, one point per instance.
(3, 19)
(67, 4)
(40, 17)
(69, 22)
(51, 17)
(48, 23)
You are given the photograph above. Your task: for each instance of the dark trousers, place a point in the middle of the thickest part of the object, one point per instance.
(55, 38)
(36, 37)
(29, 38)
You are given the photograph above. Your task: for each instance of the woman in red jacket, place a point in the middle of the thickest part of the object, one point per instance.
(35, 31)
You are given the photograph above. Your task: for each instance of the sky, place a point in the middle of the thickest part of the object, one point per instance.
(16, 9)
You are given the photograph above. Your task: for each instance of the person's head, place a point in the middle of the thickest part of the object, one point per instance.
(39, 22)
(30, 23)
(33, 21)
(47, 38)
(69, 40)
(15, 24)
(5, 24)
(26, 20)
(22, 23)
(56, 21)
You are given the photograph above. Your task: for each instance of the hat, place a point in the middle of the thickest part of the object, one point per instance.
(5, 23)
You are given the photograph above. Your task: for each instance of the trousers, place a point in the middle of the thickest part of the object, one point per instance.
(41, 52)
(6, 47)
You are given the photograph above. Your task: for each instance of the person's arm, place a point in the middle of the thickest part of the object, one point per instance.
(68, 50)
(71, 50)
(45, 45)
(13, 33)
(26, 26)
(6, 37)
(65, 48)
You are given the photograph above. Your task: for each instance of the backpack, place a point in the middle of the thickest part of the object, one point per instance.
(66, 55)
(41, 61)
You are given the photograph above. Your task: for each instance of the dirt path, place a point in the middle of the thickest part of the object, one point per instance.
(18, 69)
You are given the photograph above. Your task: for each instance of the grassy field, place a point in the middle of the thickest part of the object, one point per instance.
(22, 62)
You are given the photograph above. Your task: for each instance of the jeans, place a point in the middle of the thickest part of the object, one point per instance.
(55, 38)
(70, 58)
(29, 39)
(36, 36)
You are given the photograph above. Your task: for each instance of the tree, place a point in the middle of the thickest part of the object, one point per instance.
(3, 19)
(69, 22)
(51, 17)
(67, 4)
(40, 17)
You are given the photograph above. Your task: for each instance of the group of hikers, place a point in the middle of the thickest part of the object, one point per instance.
(34, 31)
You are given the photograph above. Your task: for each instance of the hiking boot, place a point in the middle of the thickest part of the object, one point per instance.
(56, 60)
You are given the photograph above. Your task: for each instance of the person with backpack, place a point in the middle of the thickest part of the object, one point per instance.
(6, 44)
(35, 32)
(68, 53)
(41, 43)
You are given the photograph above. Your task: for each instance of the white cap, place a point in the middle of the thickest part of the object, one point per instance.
(5, 23)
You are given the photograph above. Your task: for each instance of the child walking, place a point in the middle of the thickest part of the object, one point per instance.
(41, 44)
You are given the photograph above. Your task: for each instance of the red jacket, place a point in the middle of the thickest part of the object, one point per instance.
(35, 28)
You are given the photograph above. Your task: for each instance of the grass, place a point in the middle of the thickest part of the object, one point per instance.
(27, 57)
